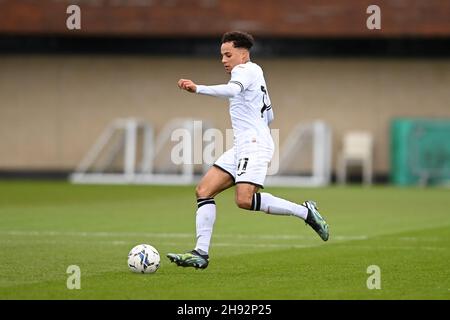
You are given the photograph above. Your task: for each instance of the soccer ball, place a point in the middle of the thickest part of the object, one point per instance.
(143, 258)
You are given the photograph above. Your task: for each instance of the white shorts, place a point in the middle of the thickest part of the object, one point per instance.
(248, 160)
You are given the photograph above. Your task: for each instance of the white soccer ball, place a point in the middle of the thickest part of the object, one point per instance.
(143, 258)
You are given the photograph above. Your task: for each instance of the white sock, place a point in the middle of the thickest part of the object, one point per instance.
(206, 215)
(274, 205)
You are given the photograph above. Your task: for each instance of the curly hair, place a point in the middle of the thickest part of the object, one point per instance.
(240, 39)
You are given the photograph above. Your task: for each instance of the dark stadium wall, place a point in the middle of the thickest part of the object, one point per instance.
(292, 18)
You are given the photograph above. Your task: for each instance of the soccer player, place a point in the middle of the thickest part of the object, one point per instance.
(245, 164)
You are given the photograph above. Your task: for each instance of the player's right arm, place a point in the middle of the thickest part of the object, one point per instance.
(187, 85)
(241, 78)
(222, 90)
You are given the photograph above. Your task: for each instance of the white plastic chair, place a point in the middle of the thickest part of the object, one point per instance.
(357, 149)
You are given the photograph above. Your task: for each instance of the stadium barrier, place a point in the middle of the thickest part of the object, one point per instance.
(127, 152)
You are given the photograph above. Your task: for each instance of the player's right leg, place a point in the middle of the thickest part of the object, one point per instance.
(215, 181)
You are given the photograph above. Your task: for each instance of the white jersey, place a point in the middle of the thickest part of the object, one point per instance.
(250, 106)
(251, 113)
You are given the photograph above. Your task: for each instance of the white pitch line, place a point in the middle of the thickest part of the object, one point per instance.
(228, 244)
(265, 245)
(393, 247)
(431, 239)
(216, 244)
(173, 235)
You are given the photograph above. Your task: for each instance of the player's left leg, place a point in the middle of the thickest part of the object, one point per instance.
(248, 197)
(244, 194)
(307, 211)
(251, 173)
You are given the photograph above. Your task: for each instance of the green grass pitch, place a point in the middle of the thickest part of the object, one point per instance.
(47, 226)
